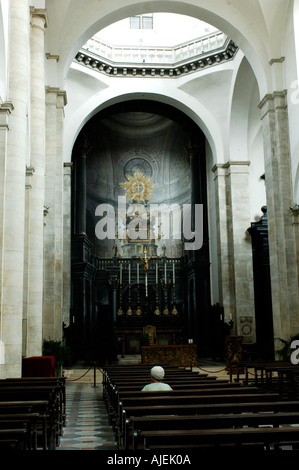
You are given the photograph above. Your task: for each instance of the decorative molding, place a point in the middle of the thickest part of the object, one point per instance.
(52, 57)
(277, 61)
(202, 61)
(229, 164)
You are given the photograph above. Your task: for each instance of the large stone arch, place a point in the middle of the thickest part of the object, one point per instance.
(195, 111)
(77, 25)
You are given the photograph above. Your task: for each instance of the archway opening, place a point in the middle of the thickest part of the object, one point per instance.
(140, 272)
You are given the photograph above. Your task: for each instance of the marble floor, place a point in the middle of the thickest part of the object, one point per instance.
(87, 426)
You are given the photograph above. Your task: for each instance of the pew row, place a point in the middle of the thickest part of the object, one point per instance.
(39, 404)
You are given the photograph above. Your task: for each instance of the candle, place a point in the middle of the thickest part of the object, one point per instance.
(137, 273)
(156, 273)
(173, 273)
(165, 272)
(120, 273)
(145, 285)
(129, 273)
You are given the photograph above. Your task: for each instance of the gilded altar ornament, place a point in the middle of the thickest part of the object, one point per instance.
(157, 311)
(138, 187)
(120, 311)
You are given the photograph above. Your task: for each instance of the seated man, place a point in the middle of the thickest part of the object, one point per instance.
(157, 375)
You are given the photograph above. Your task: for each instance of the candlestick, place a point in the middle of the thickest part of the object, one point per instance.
(165, 272)
(157, 310)
(120, 273)
(138, 311)
(129, 311)
(129, 273)
(137, 273)
(173, 273)
(156, 273)
(120, 310)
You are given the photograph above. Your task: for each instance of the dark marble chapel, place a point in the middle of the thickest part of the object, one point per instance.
(147, 154)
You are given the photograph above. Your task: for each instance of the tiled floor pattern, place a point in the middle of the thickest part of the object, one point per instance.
(87, 426)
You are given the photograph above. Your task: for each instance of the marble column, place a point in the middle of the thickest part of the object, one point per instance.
(37, 190)
(27, 232)
(282, 247)
(241, 256)
(294, 211)
(5, 112)
(53, 230)
(234, 247)
(14, 191)
(224, 244)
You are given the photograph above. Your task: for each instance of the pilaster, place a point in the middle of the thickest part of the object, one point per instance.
(36, 195)
(282, 248)
(14, 189)
(53, 231)
(234, 247)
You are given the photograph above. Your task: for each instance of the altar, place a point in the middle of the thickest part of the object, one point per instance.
(172, 355)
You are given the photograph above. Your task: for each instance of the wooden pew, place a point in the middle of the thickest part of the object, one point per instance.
(58, 382)
(217, 421)
(14, 438)
(122, 396)
(286, 382)
(111, 397)
(202, 409)
(162, 404)
(29, 420)
(109, 391)
(263, 438)
(10, 409)
(49, 393)
(258, 368)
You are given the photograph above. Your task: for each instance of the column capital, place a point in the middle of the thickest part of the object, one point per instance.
(56, 96)
(229, 165)
(68, 167)
(39, 13)
(6, 109)
(273, 101)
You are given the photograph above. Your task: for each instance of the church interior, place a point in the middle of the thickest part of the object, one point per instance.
(149, 191)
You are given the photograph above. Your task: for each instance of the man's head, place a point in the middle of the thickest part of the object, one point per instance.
(157, 373)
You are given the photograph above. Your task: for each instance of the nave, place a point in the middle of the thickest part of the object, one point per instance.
(104, 409)
(87, 426)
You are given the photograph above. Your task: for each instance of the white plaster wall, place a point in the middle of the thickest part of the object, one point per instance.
(245, 137)
(190, 99)
(3, 49)
(168, 30)
(291, 53)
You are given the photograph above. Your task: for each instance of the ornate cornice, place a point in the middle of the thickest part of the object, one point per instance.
(200, 62)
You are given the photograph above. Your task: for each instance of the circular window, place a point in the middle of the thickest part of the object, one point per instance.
(137, 164)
